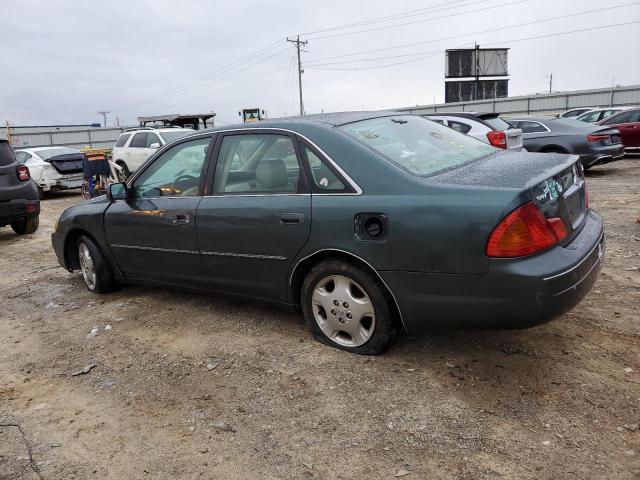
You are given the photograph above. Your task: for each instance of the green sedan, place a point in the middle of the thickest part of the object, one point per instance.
(371, 222)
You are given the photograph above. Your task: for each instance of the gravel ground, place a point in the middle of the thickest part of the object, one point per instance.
(193, 386)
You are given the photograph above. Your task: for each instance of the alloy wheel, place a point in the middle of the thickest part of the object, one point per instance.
(343, 311)
(87, 266)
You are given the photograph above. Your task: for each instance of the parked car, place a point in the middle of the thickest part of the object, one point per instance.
(598, 114)
(628, 122)
(371, 221)
(53, 168)
(574, 112)
(488, 127)
(19, 201)
(136, 145)
(594, 144)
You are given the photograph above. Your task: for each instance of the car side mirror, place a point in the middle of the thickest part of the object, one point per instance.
(155, 146)
(117, 191)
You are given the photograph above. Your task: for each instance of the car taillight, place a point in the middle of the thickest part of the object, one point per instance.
(523, 232)
(23, 173)
(497, 139)
(597, 138)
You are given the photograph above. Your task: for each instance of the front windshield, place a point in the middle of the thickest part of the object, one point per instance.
(171, 136)
(48, 153)
(418, 145)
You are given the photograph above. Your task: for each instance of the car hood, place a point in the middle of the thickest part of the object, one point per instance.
(508, 170)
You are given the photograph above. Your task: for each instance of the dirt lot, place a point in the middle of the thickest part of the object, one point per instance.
(193, 386)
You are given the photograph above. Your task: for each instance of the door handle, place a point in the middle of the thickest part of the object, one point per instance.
(180, 219)
(292, 218)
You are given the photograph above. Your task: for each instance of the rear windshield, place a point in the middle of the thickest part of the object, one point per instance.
(497, 123)
(171, 136)
(7, 157)
(418, 145)
(48, 153)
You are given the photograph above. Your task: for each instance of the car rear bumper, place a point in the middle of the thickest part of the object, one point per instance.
(61, 183)
(18, 208)
(603, 155)
(514, 293)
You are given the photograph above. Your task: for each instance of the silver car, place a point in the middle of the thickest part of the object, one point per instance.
(487, 127)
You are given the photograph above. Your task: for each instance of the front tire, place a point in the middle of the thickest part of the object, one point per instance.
(96, 271)
(25, 226)
(125, 173)
(348, 308)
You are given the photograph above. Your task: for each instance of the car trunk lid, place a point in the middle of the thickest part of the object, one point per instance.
(67, 164)
(554, 182)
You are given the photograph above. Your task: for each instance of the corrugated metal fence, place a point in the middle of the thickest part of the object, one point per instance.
(24, 137)
(543, 104)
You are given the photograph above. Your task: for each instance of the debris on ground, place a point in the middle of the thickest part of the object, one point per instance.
(84, 371)
(94, 332)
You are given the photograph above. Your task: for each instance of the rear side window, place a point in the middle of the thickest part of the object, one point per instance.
(322, 176)
(531, 127)
(497, 123)
(7, 157)
(122, 140)
(139, 140)
(459, 126)
(418, 145)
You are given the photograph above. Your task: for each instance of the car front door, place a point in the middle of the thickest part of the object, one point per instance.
(152, 234)
(257, 216)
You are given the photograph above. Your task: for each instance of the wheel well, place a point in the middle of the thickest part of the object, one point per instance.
(70, 252)
(553, 148)
(306, 265)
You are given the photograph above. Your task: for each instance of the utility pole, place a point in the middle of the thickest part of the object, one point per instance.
(550, 83)
(104, 118)
(299, 42)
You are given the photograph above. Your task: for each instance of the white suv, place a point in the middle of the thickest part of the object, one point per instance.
(135, 146)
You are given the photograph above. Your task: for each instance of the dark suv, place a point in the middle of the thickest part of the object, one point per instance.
(19, 199)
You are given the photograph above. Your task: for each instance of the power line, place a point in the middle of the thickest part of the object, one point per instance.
(466, 12)
(208, 76)
(599, 27)
(534, 22)
(397, 16)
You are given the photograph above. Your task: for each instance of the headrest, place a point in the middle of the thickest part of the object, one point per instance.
(272, 174)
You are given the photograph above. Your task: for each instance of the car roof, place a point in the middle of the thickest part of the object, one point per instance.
(335, 119)
(471, 115)
(39, 149)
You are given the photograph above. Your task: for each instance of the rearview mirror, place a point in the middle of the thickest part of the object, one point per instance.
(155, 146)
(117, 191)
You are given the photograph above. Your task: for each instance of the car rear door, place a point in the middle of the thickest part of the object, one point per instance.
(140, 149)
(152, 234)
(257, 214)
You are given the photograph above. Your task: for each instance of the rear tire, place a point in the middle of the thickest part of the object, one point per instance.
(348, 308)
(96, 271)
(25, 226)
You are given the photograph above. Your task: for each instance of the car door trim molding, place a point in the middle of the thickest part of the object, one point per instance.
(194, 252)
(395, 301)
(245, 255)
(153, 249)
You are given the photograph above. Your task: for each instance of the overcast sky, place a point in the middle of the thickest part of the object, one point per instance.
(63, 61)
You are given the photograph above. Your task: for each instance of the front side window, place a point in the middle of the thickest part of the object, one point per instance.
(256, 163)
(175, 173)
(322, 177)
(123, 139)
(139, 140)
(418, 145)
(151, 139)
